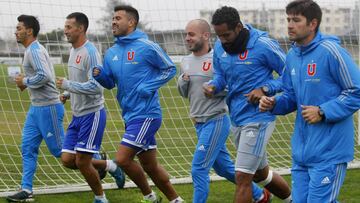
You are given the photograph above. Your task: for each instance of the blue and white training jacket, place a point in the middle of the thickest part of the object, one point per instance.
(245, 72)
(138, 67)
(323, 74)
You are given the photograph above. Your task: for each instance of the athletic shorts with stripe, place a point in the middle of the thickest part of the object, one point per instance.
(140, 133)
(85, 133)
(250, 142)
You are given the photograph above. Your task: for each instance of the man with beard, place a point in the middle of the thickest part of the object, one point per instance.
(138, 67)
(45, 116)
(209, 115)
(244, 61)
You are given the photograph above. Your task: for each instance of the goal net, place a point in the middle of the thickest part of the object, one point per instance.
(164, 21)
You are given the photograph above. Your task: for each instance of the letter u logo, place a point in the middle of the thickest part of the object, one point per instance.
(311, 69)
(130, 55)
(78, 59)
(206, 66)
(244, 55)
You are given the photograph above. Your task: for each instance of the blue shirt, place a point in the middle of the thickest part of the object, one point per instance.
(323, 74)
(242, 73)
(138, 67)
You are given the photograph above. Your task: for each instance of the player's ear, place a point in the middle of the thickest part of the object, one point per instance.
(206, 35)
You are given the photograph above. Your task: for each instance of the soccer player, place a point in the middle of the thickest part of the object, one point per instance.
(321, 83)
(244, 61)
(138, 67)
(45, 116)
(85, 132)
(208, 114)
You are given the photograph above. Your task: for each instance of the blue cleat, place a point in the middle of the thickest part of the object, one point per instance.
(119, 177)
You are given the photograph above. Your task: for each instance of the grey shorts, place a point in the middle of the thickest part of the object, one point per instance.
(250, 141)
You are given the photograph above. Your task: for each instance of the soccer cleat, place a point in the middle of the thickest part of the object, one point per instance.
(267, 197)
(119, 177)
(21, 196)
(101, 201)
(159, 200)
(101, 156)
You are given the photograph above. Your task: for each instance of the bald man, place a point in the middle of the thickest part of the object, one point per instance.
(208, 114)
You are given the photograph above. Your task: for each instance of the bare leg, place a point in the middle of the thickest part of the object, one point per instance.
(278, 186)
(83, 162)
(157, 173)
(125, 159)
(243, 192)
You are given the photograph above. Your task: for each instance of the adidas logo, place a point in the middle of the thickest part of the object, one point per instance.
(224, 54)
(201, 148)
(292, 72)
(250, 134)
(326, 180)
(115, 58)
(49, 134)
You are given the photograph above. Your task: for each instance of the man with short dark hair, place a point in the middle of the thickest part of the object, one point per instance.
(321, 83)
(85, 132)
(138, 67)
(45, 116)
(244, 61)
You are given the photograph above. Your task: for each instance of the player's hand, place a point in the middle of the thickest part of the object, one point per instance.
(59, 82)
(186, 77)
(19, 81)
(266, 103)
(96, 72)
(254, 96)
(63, 98)
(311, 114)
(209, 90)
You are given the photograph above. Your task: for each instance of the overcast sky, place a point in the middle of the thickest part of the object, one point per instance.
(158, 14)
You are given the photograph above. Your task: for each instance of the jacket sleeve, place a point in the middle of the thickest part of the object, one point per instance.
(219, 76)
(89, 87)
(182, 85)
(159, 60)
(105, 78)
(286, 102)
(275, 58)
(346, 74)
(42, 71)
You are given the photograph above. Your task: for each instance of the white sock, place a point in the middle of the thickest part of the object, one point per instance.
(100, 197)
(110, 166)
(287, 200)
(177, 200)
(151, 196)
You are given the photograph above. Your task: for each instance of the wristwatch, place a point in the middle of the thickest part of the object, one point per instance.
(265, 89)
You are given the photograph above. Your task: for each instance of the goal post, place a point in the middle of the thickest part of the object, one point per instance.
(164, 22)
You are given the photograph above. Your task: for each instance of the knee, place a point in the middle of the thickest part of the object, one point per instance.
(198, 171)
(122, 161)
(68, 161)
(243, 179)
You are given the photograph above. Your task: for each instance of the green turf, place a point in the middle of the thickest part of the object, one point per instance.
(220, 191)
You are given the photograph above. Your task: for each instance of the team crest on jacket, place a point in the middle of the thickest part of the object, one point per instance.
(244, 55)
(206, 66)
(311, 69)
(78, 59)
(130, 55)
